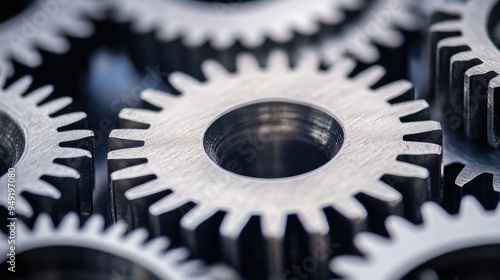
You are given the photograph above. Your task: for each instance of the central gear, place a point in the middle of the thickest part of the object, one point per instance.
(411, 246)
(468, 67)
(50, 160)
(98, 253)
(352, 136)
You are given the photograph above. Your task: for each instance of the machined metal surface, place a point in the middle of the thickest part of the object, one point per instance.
(94, 251)
(28, 26)
(267, 154)
(465, 246)
(51, 159)
(467, 65)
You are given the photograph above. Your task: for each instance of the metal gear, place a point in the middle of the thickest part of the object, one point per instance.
(95, 252)
(51, 158)
(427, 251)
(28, 25)
(376, 35)
(247, 145)
(221, 29)
(467, 65)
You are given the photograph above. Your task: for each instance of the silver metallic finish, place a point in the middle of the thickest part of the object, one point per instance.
(411, 245)
(178, 150)
(467, 64)
(32, 143)
(96, 252)
(43, 25)
(214, 29)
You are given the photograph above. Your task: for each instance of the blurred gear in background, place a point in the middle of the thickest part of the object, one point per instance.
(51, 154)
(96, 252)
(465, 247)
(274, 159)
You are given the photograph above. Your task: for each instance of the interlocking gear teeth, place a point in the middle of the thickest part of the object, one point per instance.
(167, 168)
(440, 234)
(376, 36)
(35, 144)
(467, 63)
(44, 25)
(220, 30)
(96, 252)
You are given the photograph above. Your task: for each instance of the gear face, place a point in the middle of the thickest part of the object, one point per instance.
(467, 63)
(31, 24)
(95, 252)
(220, 29)
(444, 241)
(377, 35)
(278, 143)
(41, 149)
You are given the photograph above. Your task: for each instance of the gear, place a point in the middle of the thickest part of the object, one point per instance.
(30, 24)
(95, 252)
(278, 144)
(220, 29)
(444, 247)
(50, 157)
(377, 35)
(467, 62)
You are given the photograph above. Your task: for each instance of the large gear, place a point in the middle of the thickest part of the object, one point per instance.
(29, 25)
(467, 64)
(51, 158)
(220, 29)
(376, 35)
(444, 247)
(190, 152)
(94, 252)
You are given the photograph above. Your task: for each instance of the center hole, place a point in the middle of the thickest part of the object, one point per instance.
(273, 140)
(13, 8)
(12, 143)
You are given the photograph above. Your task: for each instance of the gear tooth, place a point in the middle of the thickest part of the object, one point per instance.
(20, 86)
(345, 265)
(193, 266)
(53, 43)
(43, 188)
(420, 148)
(351, 209)
(169, 203)
(368, 243)
(176, 256)
(408, 108)
(158, 98)
(23, 207)
(183, 82)
(43, 224)
(73, 135)
(40, 94)
(116, 231)
(137, 237)
(28, 56)
(129, 153)
(247, 63)
(128, 134)
(384, 192)
(408, 170)
(70, 223)
(314, 221)
(390, 38)
(450, 26)
(157, 245)
(138, 115)
(63, 152)
(419, 127)
(94, 225)
(451, 9)
(493, 119)
(342, 67)
(496, 183)
(450, 42)
(56, 105)
(59, 170)
(394, 90)
(477, 70)
(273, 225)
(192, 220)
(433, 215)
(399, 228)
(462, 57)
(213, 70)
(365, 52)
(231, 227)
(471, 208)
(475, 91)
(278, 60)
(467, 174)
(68, 119)
(370, 76)
(132, 172)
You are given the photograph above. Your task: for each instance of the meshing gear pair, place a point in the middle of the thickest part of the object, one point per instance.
(465, 246)
(273, 160)
(94, 251)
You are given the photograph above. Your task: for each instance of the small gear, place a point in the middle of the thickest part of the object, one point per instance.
(180, 34)
(376, 35)
(29, 25)
(467, 64)
(279, 145)
(444, 247)
(51, 158)
(94, 252)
